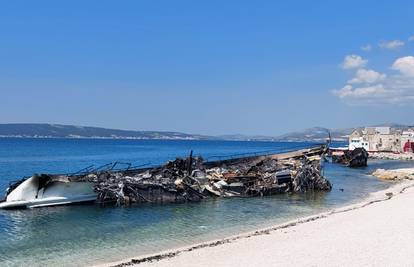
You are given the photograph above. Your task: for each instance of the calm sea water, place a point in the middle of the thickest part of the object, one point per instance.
(87, 234)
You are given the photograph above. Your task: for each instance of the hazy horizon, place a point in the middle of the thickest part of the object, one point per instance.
(213, 135)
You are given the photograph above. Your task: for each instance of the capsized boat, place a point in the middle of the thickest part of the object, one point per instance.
(46, 190)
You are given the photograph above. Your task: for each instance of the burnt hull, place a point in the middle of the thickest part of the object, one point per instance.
(32, 193)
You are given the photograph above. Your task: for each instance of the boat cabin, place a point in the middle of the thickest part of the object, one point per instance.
(358, 143)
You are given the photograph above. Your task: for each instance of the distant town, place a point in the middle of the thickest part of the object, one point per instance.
(383, 139)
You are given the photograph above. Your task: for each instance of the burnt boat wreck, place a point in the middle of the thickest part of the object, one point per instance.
(351, 158)
(182, 180)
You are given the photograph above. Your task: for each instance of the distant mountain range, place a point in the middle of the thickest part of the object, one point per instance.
(321, 134)
(317, 134)
(35, 130)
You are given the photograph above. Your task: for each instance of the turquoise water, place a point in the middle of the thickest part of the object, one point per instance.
(87, 234)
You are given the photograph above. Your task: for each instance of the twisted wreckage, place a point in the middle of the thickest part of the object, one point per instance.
(181, 180)
(351, 158)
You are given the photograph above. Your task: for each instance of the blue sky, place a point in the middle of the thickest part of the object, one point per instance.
(209, 67)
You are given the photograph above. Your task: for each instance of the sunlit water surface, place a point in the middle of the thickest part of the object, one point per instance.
(87, 234)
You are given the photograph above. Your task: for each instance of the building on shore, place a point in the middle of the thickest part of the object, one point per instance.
(382, 139)
(407, 141)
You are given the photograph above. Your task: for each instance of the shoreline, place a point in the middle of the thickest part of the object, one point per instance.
(391, 156)
(164, 256)
(164, 139)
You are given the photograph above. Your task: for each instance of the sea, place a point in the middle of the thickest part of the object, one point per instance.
(83, 235)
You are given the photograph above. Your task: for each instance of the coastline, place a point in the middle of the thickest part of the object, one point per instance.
(188, 255)
(275, 140)
(391, 156)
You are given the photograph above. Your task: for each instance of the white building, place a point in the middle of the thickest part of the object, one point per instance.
(379, 130)
(358, 142)
(376, 139)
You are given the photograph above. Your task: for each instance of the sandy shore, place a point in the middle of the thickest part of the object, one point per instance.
(376, 232)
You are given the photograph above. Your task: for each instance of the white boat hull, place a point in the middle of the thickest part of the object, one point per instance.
(29, 195)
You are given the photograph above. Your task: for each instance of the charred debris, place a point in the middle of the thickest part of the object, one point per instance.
(192, 179)
(351, 158)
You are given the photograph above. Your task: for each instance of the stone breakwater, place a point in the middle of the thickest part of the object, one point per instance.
(391, 156)
(396, 174)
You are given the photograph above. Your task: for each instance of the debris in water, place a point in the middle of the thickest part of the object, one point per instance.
(352, 158)
(192, 179)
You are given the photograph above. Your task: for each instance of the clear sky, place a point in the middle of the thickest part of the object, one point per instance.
(208, 67)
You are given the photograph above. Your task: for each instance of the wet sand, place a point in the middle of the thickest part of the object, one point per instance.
(376, 232)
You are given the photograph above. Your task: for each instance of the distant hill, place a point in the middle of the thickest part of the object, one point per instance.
(35, 130)
(71, 131)
(321, 134)
(241, 137)
(316, 134)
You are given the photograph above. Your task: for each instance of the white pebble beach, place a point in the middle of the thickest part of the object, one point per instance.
(376, 232)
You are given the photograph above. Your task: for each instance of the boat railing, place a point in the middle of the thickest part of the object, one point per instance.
(258, 153)
(116, 166)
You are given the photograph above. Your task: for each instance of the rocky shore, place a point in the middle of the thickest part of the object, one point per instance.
(395, 174)
(391, 156)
